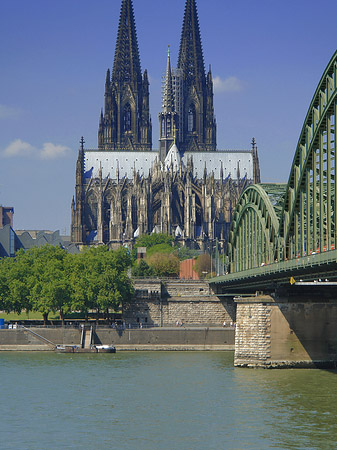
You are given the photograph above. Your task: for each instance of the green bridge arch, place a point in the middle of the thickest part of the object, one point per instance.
(275, 222)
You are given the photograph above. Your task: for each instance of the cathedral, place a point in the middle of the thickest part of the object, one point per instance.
(187, 188)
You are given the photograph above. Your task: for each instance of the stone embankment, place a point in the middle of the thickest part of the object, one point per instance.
(163, 303)
(180, 338)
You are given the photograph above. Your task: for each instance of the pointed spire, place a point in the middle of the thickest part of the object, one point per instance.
(253, 144)
(117, 172)
(145, 77)
(191, 60)
(80, 163)
(168, 101)
(82, 142)
(107, 80)
(101, 119)
(127, 61)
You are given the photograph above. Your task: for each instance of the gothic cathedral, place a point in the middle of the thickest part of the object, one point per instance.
(187, 188)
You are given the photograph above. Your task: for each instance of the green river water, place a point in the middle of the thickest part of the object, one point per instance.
(161, 400)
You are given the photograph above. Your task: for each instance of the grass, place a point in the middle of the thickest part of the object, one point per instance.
(37, 316)
(33, 315)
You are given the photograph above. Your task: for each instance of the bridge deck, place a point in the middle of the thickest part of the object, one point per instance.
(320, 265)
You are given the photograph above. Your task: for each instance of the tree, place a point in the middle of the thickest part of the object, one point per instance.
(47, 279)
(50, 289)
(15, 283)
(142, 269)
(163, 241)
(203, 265)
(165, 265)
(99, 279)
(187, 253)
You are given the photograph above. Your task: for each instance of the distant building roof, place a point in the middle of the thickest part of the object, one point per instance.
(126, 161)
(11, 241)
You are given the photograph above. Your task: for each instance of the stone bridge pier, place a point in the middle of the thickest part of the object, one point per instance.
(291, 330)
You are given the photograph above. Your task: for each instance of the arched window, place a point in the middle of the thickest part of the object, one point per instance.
(127, 117)
(168, 126)
(163, 128)
(191, 119)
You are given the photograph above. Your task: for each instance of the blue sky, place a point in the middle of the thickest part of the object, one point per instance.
(267, 58)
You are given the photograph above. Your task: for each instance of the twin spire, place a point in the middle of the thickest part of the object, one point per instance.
(191, 59)
(127, 61)
(125, 123)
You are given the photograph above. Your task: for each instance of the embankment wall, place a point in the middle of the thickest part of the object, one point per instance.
(164, 303)
(201, 338)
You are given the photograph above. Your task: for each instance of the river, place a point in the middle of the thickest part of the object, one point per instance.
(162, 400)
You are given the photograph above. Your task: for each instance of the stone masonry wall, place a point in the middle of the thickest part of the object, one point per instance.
(189, 302)
(190, 311)
(252, 334)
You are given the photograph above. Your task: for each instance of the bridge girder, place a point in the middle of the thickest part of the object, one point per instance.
(284, 222)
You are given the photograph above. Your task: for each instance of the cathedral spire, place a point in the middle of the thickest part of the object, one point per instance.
(127, 61)
(168, 118)
(197, 121)
(127, 123)
(168, 100)
(191, 60)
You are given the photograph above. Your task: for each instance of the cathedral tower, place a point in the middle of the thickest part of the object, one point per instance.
(197, 121)
(168, 118)
(125, 123)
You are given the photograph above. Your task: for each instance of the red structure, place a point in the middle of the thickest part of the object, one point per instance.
(6, 216)
(187, 271)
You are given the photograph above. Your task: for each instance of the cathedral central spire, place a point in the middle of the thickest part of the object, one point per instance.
(168, 118)
(168, 101)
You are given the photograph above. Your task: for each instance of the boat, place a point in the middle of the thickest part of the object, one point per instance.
(92, 349)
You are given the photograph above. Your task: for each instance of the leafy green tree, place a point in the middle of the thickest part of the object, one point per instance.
(47, 279)
(5, 266)
(152, 240)
(165, 264)
(99, 279)
(50, 287)
(142, 269)
(187, 253)
(15, 283)
(203, 265)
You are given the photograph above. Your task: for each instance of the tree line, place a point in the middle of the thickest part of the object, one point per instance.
(48, 279)
(163, 257)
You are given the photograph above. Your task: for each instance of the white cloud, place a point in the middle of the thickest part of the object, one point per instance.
(230, 84)
(52, 151)
(18, 148)
(48, 151)
(8, 112)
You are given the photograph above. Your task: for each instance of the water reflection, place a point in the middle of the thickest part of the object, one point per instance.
(162, 400)
(298, 406)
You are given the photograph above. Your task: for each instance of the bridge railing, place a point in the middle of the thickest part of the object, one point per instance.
(294, 265)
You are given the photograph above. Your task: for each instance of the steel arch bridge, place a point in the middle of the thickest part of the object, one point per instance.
(275, 223)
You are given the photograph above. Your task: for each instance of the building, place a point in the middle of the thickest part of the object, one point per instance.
(6, 216)
(187, 188)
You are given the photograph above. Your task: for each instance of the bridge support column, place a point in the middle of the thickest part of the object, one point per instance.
(281, 334)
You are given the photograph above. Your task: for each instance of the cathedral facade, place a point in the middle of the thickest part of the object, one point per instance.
(187, 188)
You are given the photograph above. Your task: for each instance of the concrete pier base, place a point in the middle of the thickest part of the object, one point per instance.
(284, 333)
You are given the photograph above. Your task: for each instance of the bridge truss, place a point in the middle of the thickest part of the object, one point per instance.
(278, 222)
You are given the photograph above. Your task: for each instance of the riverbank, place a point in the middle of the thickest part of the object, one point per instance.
(148, 339)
